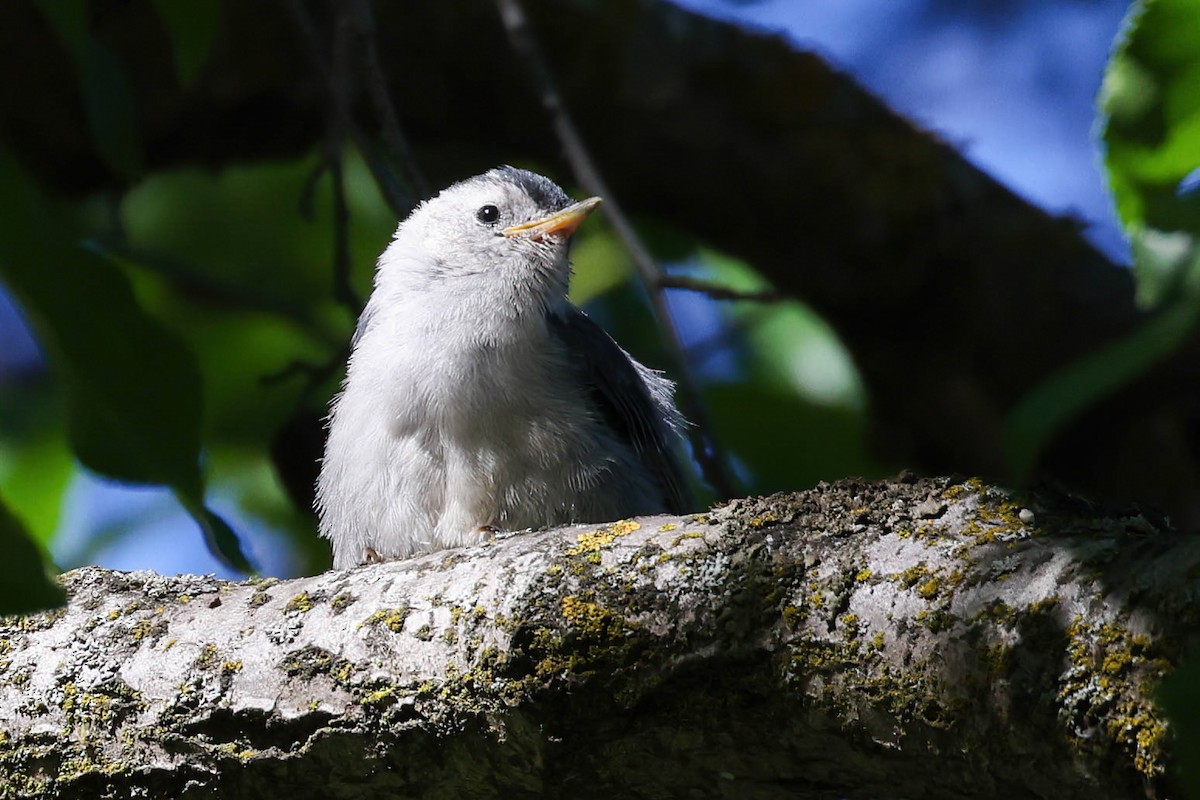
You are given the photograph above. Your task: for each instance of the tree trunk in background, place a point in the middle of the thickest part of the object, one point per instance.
(954, 296)
(908, 639)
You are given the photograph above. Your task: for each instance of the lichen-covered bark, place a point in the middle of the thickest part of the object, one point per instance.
(913, 639)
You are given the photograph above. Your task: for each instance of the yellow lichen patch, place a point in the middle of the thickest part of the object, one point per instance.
(232, 666)
(144, 628)
(341, 601)
(393, 618)
(589, 618)
(1114, 663)
(1150, 738)
(624, 527)
(765, 519)
(1117, 669)
(385, 695)
(930, 588)
(863, 574)
(207, 657)
(301, 603)
(591, 543)
(912, 576)
(668, 527)
(683, 537)
(185, 598)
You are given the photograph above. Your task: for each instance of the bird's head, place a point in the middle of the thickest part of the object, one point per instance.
(504, 232)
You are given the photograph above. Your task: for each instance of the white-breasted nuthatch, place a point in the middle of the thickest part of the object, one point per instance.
(478, 398)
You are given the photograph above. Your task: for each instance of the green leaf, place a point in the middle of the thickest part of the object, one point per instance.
(36, 464)
(1180, 698)
(108, 96)
(193, 25)
(269, 254)
(785, 441)
(1150, 116)
(35, 474)
(599, 263)
(133, 390)
(25, 584)
(222, 542)
(797, 416)
(1048, 407)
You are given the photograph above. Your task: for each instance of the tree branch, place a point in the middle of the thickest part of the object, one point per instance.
(853, 640)
(716, 291)
(377, 88)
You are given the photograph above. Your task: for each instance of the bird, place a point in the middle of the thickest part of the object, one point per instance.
(478, 398)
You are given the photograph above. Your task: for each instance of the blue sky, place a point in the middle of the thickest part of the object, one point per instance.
(1010, 83)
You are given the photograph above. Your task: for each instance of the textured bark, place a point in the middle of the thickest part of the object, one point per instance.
(954, 296)
(916, 639)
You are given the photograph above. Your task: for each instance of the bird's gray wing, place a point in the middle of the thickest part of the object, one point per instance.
(634, 401)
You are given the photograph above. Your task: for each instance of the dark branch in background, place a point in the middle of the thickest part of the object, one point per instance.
(389, 120)
(314, 374)
(399, 201)
(716, 291)
(336, 119)
(523, 42)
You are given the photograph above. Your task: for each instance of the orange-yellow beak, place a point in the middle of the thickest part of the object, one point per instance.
(562, 223)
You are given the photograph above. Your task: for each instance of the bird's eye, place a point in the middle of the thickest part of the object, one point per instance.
(488, 214)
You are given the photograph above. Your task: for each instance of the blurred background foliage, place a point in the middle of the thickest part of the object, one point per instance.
(191, 327)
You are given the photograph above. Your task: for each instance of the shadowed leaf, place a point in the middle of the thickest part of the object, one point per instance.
(25, 585)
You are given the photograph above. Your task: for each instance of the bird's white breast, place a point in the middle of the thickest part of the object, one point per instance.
(437, 434)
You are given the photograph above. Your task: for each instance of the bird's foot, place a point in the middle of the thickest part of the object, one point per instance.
(371, 556)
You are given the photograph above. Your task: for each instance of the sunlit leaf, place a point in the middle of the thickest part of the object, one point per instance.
(242, 237)
(35, 474)
(790, 344)
(25, 583)
(600, 264)
(1150, 112)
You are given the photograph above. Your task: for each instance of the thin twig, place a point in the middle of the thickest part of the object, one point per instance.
(523, 42)
(398, 201)
(314, 374)
(338, 117)
(377, 88)
(716, 291)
